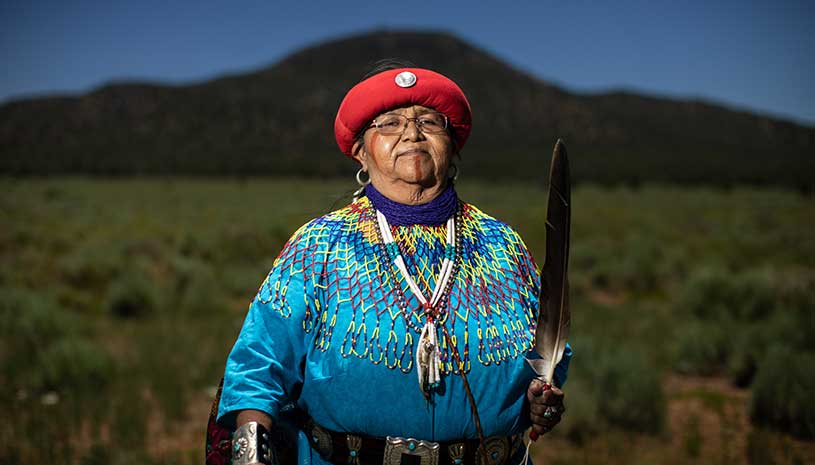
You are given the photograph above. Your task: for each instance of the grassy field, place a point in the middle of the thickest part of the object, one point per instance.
(694, 315)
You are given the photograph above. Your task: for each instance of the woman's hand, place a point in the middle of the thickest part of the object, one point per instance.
(545, 407)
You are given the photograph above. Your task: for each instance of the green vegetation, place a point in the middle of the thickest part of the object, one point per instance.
(119, 301)
(783, 394)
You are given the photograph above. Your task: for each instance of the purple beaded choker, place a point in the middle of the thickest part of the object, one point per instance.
(433, 213)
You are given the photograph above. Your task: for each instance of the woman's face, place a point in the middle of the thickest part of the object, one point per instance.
(411, 157)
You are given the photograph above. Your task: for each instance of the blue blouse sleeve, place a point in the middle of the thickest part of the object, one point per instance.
(265, 366)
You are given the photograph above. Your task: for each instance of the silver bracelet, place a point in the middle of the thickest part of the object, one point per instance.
(251, 445)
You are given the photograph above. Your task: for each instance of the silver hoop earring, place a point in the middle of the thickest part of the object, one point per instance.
(452, 177)
(362, 184)
(359, 178)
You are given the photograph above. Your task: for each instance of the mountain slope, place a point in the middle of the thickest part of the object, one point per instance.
(279, 121)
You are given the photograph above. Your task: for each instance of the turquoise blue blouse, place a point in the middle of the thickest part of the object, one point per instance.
(326, 331)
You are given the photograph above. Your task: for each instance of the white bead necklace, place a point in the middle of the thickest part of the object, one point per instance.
(427, 354)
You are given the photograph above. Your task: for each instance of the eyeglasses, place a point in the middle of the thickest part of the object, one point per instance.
(428, 123)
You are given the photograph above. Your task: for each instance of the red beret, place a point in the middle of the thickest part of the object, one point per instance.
(397, 88)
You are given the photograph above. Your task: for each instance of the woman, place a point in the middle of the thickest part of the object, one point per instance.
(394, 329)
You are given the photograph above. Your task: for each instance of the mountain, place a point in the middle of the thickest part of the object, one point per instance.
(279, 121)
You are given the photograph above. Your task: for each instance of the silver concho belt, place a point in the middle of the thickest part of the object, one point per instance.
(349, 449)
(427, 451)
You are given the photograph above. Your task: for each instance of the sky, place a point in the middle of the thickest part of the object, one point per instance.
(748, 55)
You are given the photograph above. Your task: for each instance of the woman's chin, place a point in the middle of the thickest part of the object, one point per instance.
(420, 179)
(420, 175)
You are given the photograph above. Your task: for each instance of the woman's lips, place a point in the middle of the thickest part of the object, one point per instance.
(410, 152)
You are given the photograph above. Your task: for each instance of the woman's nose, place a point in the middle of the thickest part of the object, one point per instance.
(412, 131)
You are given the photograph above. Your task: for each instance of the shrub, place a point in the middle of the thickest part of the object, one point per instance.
(45, 345)
(750, 342)
(630, 393)
(242, 281)
(784, 392)
(753, 295)
(583, 259)
(619, 387)
(245, 244)
(742, 365)
(191, 245)
(705, 294)
(29, 322)
(74, 364)
(736, 318)
(702, 348)
(197, 289)
(799, 292)
(582, 421)
(795, 318)
(638, 268)
(28, 318)
(90, 267)
(716, 294)
(132, 295)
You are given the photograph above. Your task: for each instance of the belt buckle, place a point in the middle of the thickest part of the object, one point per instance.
(427, 451)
